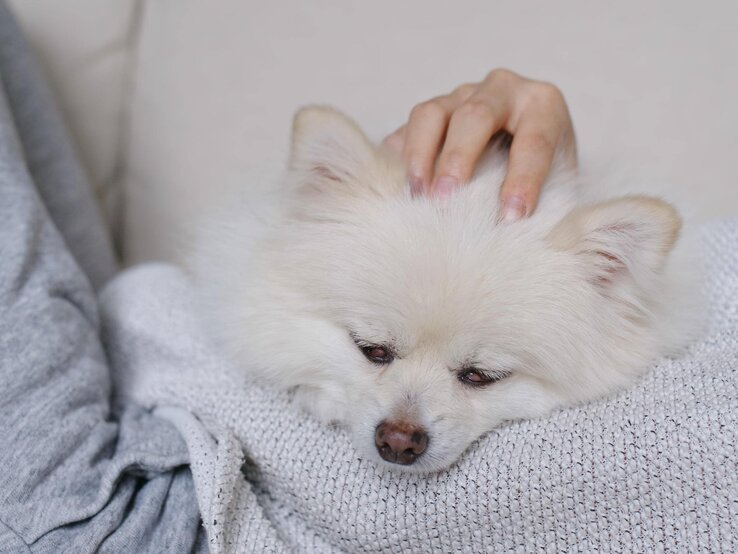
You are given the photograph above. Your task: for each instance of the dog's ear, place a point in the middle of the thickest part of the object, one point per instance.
(623, 241)
(328, 149)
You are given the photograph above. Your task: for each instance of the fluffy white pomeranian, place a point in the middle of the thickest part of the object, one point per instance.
(421, 324)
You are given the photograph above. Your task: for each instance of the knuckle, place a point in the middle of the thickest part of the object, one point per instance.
(465, 90)
(428, 110)
(501, 74)
(548, 94)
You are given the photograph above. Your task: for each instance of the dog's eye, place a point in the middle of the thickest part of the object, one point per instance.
(373, 352)
(376, 354)
(477, 378)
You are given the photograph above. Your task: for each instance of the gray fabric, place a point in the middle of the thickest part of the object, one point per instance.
(50, 156)
(76, 476)
(652, 469)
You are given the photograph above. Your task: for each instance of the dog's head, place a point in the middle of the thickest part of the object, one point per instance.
(422, 325)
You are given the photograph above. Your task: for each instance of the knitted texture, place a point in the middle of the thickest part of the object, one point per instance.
(651, 469)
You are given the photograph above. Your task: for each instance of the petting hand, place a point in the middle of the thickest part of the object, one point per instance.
(445, 136)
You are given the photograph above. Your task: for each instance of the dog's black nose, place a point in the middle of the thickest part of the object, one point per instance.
(399, 442)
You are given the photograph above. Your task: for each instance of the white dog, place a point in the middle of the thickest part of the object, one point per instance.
(421, 324)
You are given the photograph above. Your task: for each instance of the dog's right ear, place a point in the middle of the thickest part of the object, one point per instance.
(328, 149)
(622, 243)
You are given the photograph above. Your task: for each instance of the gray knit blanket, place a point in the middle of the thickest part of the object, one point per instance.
(651, 469)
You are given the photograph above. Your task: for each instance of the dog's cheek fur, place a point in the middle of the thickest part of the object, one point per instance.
(634, 306)
(266, 327)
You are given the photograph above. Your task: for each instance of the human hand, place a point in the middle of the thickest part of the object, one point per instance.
(445, 136)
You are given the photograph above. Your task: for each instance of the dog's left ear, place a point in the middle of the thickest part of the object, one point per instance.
(622, 242)
(328, 148)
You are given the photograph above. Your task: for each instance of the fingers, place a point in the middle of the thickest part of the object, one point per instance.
(425, 132)
(423, 136)
(445, 137)
(538, 131)
(470, 129)
(531, 156)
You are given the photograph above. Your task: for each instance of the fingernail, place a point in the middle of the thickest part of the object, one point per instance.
(513, 209)
(445, 186)
(416, 186)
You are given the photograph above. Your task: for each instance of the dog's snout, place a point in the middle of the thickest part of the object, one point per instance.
(399, 442)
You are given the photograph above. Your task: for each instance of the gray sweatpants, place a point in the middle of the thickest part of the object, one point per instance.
(76, 474)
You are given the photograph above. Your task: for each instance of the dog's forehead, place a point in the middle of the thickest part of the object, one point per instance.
(413, 268)
(436, 275)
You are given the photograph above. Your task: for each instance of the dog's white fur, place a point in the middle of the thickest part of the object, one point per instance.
(571, 304)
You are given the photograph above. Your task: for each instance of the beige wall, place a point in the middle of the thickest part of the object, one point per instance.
(652, 86)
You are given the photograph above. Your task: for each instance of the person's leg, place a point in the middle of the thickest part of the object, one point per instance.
(74, 476)
(50, 156)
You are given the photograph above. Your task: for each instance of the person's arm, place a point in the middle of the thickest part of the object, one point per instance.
(75, 476)
(445, 136)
